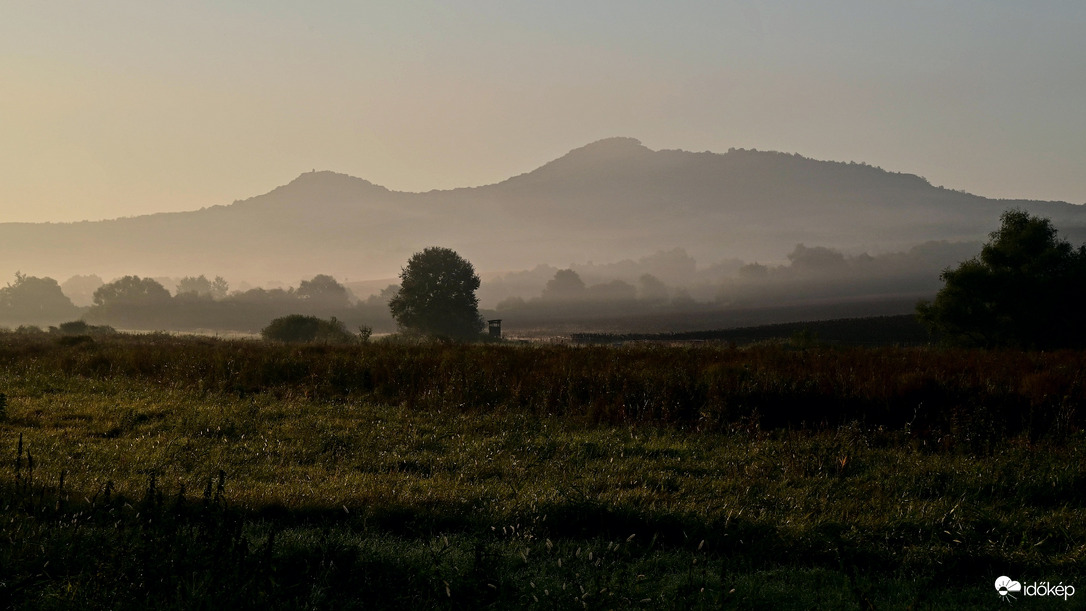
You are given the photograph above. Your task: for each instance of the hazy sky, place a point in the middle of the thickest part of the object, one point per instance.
(115, 108)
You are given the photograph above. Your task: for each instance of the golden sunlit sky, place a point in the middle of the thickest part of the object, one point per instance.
(118, 108)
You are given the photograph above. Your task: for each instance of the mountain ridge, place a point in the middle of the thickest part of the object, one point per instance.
(607, 200)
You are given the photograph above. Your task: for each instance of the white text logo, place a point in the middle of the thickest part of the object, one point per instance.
(1007, 587)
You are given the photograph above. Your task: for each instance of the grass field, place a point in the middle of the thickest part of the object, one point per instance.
(161, 472)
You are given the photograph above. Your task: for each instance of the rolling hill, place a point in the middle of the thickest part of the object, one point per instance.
(606, 201)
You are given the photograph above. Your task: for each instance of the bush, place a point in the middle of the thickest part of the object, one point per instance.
(298, 328)
(81, 327)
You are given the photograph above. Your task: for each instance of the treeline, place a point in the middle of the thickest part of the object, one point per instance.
(139, 303)
(670, 284)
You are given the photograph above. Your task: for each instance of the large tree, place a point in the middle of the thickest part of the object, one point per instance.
(131, 291)
(437, 295)
(1025, 289)
(35, 301)
(202, 287)
(80, 289)
(566, 285)
(324, 292)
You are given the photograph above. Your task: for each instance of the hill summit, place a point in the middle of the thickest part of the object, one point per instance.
(605, 201)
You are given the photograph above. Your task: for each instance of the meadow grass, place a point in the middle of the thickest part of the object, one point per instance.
(181, 473)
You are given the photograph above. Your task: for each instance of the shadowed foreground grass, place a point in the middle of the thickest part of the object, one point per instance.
(124, 488)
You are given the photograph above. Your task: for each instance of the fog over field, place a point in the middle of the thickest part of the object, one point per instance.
(674, 158)
(612, 227)
(599, 204)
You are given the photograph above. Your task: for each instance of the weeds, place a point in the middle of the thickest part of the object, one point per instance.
(972, 399)
(161, 472)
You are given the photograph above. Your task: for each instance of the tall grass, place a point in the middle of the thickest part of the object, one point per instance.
(184, 473)
(977, 398)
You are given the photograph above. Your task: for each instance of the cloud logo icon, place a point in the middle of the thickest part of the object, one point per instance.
(1005, 586)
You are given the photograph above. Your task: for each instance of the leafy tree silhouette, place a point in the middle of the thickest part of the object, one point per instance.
(131, 291)
(36, 300)
(300, 328)
(201, 286)
(323, 290)
(565, 286)
(1025, 289)
(437, 295)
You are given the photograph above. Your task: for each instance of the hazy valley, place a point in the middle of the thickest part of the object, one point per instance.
(710, 236)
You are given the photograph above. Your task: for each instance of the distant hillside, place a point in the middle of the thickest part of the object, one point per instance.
(609, 200)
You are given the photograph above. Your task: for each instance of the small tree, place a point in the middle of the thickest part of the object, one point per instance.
(1025, 289)
(437, 295)
(219, 288)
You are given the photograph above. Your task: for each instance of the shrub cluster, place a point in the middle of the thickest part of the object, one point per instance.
(297, 328)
